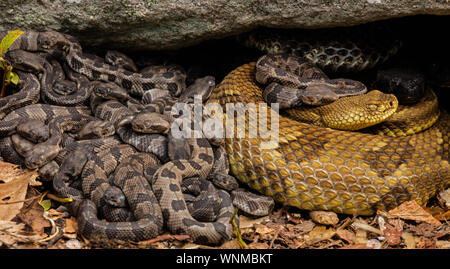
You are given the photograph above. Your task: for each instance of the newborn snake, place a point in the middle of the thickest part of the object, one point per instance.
(316, 168)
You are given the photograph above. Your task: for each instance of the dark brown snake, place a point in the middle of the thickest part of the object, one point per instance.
(292, 81)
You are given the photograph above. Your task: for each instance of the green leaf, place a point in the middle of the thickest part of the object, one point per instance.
(2, 65)
(8, 40)
(46, 204)
(13, 78)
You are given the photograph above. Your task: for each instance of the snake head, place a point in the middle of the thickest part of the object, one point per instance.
(41, 155)
(109, 90)
(33, 130)
(50, 40)
(26, 61)
(150, 122)
(96, 129)
(115, 197)
(381, 103)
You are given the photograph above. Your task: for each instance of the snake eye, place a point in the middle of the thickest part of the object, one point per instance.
(372, 107)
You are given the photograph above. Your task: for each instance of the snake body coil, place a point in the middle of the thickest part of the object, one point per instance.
(317, 168)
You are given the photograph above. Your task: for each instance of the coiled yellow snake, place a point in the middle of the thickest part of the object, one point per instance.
(316, 168)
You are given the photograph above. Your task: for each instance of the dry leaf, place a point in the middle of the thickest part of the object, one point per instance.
(31, 212)
(410, 240)
(71, 225)
(231, 244)
(361, 237)
(425, 243)
(304, 227)
(164, 237)
(263, 229)
(443, 244)
(258, 245)
(245, 222)
(444, 216)
(12, 233)
(324, 217)
(13, 188)
(411, 210)
(71, 228)
(356, 246)
(424, 229)
(444, 198)
(393, 231)
(319, 233)
(346, 235)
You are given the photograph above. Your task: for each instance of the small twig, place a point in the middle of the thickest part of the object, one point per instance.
(51, 236)
(277, 232)
(366, 227)
(20, 201)
(5, 72)
(345, 224)
(2, 93)
(54, 227)
(236, 229)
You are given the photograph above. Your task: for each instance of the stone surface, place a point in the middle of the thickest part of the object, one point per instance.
(166, 24)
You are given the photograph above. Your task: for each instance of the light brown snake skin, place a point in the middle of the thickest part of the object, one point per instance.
(316, 168)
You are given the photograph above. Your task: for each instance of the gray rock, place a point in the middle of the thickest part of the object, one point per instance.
(156, 24)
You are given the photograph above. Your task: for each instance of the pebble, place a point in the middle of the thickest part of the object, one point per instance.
(73, 244)
(373, 243)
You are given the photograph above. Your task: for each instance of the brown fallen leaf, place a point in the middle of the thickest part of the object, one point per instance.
(428, 230)
(361, 237)
(324, 217)
(443, 244)
(70, 228)
(411, 210)
(258, 245)
(346, 235)
(71, 225)
(443, 216)
(356, 246)
(304, 227)
(444, 198)
(32, 213)
(12, 233)
(319, 233)
(410, 240)
(164, 237)
(13, 188)
(425, 243)
(263, 229)
(230, 244)
(393, 231)
(246, 222)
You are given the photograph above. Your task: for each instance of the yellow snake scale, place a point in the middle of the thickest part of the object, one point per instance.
(316, 168)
